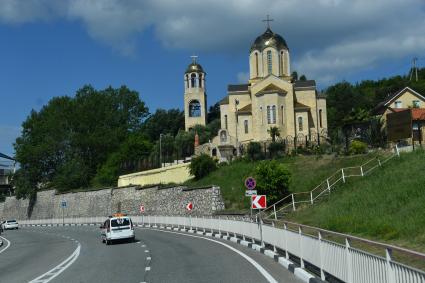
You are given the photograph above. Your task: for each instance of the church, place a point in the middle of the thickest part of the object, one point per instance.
(270, 98)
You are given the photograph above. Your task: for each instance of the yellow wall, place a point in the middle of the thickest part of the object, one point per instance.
(172, 174)
(407, 100)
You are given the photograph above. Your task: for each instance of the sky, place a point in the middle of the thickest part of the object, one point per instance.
(52, 48)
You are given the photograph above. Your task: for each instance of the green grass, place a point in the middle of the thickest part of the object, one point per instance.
(307, 173)
(388, 205)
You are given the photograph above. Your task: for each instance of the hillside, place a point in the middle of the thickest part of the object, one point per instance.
(307, 172)
(388, 205)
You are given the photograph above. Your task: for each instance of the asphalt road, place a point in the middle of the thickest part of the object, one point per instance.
(156, 256)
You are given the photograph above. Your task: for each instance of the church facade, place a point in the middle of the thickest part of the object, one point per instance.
(271, 98)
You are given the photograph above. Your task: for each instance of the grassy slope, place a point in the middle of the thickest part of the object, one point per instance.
(387, 205)
(307, 172)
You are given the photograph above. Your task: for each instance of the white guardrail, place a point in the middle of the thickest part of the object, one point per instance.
(329, 258)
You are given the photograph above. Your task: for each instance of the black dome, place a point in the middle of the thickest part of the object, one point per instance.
(194, 67)
(269, 39)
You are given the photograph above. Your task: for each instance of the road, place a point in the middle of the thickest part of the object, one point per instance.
(156, 256)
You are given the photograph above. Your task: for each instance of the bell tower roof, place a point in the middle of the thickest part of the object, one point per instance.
(194, 67)
(269, 39)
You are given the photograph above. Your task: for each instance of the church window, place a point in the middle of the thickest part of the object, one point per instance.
(281, 114)
(225, 122)
(269, 120)
(194, 108)
(256, 65)
(200, 80)
(245, 123)
(398, 104)
(192, 80)
(269, 62)
(300, 124)
(320, 118)
(281, 63)
(274, 114)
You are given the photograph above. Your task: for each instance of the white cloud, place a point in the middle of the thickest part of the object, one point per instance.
(326, 37)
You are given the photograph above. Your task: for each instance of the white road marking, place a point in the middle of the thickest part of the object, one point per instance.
(148, 268)
(146, 251)
(61, 267)
(249, 259)
(148, 258)
(7, 246)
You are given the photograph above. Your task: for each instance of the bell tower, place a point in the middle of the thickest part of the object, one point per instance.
(195, 98)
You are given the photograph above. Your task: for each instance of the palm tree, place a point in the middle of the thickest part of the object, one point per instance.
(274, 132)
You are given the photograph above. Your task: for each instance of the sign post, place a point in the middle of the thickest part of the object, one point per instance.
(259, 202)
(189, 208)
(250, 184)
(63, 205)
(142, 210)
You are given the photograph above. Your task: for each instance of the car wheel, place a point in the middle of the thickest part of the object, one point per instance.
(107, 242)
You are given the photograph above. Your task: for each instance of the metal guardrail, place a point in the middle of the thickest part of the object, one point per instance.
(294, 200)
(332, 259)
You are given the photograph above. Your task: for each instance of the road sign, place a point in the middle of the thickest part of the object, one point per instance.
(189, 206)
(258, 202)
(63, 203)
(142, 208)
(250, 183)
(249, 193)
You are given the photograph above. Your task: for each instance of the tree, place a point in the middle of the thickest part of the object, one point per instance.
(274, 132)
(75, 136)
(294, 75)
(254, 151)
(213, 113)
(201, 166)
(273, 180)
(163, 122)
(303, 78)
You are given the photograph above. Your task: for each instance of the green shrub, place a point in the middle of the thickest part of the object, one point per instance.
(202, 165)
(254, 151)
(273, 179)
(276, 149)
(357, 147)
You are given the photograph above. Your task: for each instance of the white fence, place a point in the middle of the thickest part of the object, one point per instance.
(332, 259)
(294, 200)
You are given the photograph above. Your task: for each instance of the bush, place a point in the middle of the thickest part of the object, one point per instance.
(276, 149)
(357, 147)
(254, 151)
(273, 180)
(202, 165)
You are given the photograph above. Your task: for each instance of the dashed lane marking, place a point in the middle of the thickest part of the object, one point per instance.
(263, 272)
(148, 258)
(148, 268)
(146, 251)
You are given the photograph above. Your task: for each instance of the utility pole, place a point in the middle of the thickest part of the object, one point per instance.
(414, 69)
(160, 150)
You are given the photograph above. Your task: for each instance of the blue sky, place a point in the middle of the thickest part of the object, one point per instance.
(51, 48)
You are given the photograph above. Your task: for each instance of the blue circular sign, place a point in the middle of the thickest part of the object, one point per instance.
(250, 183)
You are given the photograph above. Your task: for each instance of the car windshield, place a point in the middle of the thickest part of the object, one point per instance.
(11, 221)
(120, 222)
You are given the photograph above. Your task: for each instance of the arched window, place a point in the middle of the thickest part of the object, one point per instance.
(194, 108)
(192, 80)
(281, 63)
(281, 113)
(300, 124)
(269, 118)
(269, 62)
(225, 122)
(200, 80)
(256, 64)
(245, 123)
(320, 118)
(274, 114)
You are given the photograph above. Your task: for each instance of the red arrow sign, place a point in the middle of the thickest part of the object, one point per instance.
(189, 206)
(142, 208)
(259, 201)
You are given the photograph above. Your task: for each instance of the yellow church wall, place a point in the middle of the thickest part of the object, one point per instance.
(172, 174)
(321, 105)
(194, 94)
(305, 127)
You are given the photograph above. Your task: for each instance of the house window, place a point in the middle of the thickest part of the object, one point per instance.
(416, 103)
(225, 122)
(245, 123)
(269, 62)
(320, 118)
(194, 109)
(398, 104)
(300, 124)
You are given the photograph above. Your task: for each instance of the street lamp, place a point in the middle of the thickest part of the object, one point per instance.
(160, 149)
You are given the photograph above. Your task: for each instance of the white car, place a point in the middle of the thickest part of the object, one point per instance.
(117, 227)
(10, 224)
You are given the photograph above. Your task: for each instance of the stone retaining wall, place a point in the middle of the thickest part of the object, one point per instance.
(157, 201)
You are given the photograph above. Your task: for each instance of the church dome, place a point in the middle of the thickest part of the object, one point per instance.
(194, 67)
(269, 39)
